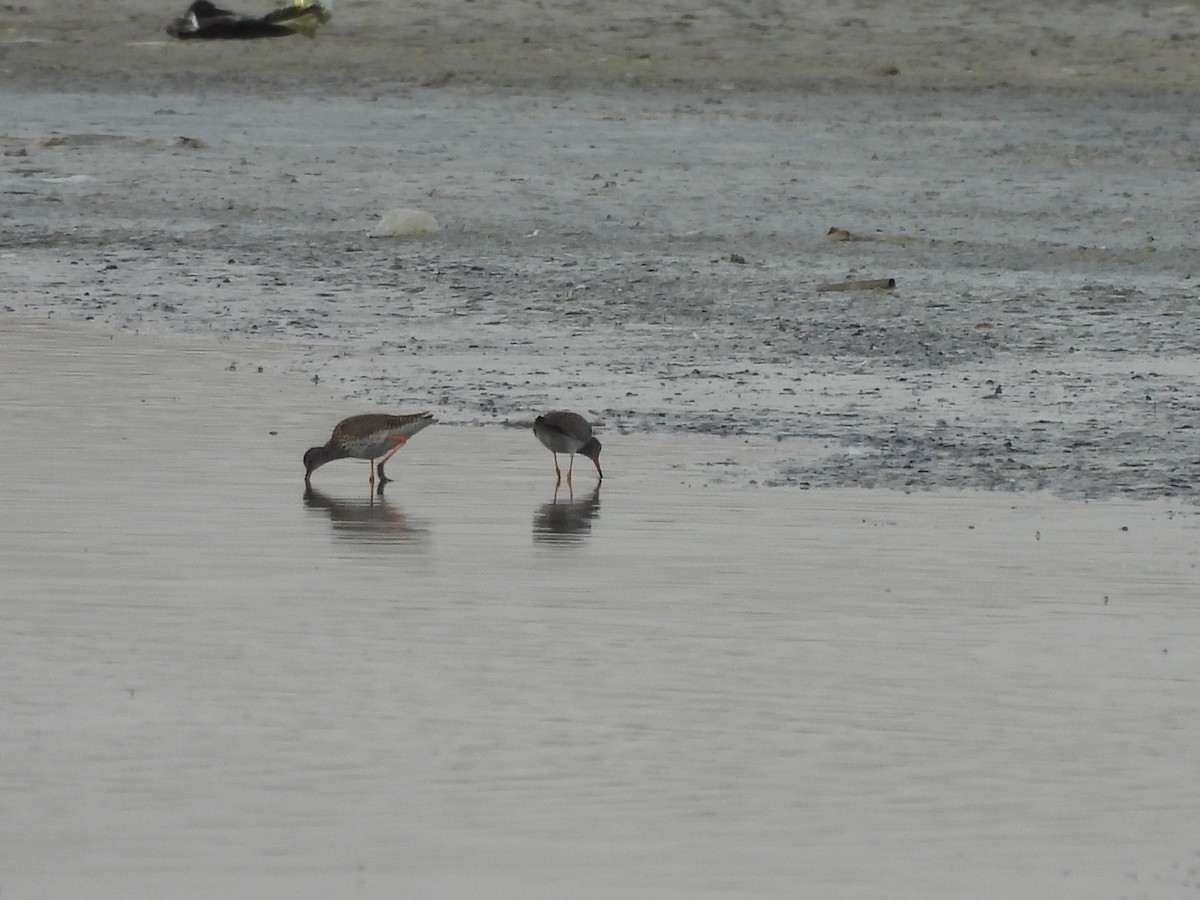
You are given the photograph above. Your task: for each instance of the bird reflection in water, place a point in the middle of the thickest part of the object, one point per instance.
(566, 520)
(371, 520)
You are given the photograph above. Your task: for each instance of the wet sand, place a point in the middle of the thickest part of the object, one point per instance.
(655, 260)
(379, 47)
(216, 684)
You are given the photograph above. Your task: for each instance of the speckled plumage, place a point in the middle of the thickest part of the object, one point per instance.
(368, 437)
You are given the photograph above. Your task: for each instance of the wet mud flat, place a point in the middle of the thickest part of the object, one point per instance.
(215, 680)
(655, 260)
(376, 48)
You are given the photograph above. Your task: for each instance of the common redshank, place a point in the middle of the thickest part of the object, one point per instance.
(368, 437)
(567, 432)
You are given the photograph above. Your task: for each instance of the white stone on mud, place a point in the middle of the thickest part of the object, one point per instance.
(403, 223)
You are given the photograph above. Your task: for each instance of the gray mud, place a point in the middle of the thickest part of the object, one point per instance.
(635, 209)
(654, 260)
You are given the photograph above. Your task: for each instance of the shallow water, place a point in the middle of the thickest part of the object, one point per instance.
(215, 685)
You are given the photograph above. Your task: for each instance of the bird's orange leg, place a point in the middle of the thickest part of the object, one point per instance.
(557, 471)
(400, 440)
(570, 469)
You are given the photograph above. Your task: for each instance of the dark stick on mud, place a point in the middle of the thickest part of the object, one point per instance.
(871, 284)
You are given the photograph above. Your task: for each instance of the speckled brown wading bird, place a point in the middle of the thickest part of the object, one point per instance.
(567, 432)
(368, 437)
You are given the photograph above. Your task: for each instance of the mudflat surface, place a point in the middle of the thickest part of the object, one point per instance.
(376, 45)
(655, 260)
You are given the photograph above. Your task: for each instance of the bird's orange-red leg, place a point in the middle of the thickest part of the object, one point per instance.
(400, 440)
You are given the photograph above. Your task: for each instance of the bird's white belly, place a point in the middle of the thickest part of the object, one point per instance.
(371, 449)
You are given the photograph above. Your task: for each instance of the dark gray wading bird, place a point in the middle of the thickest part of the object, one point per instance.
(567, 432)
(368, 437)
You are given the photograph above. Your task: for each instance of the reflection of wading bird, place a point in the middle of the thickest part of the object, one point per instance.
(371, 521)
(556, 522)
(567, 432)
(207, 21)
(368, 437)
